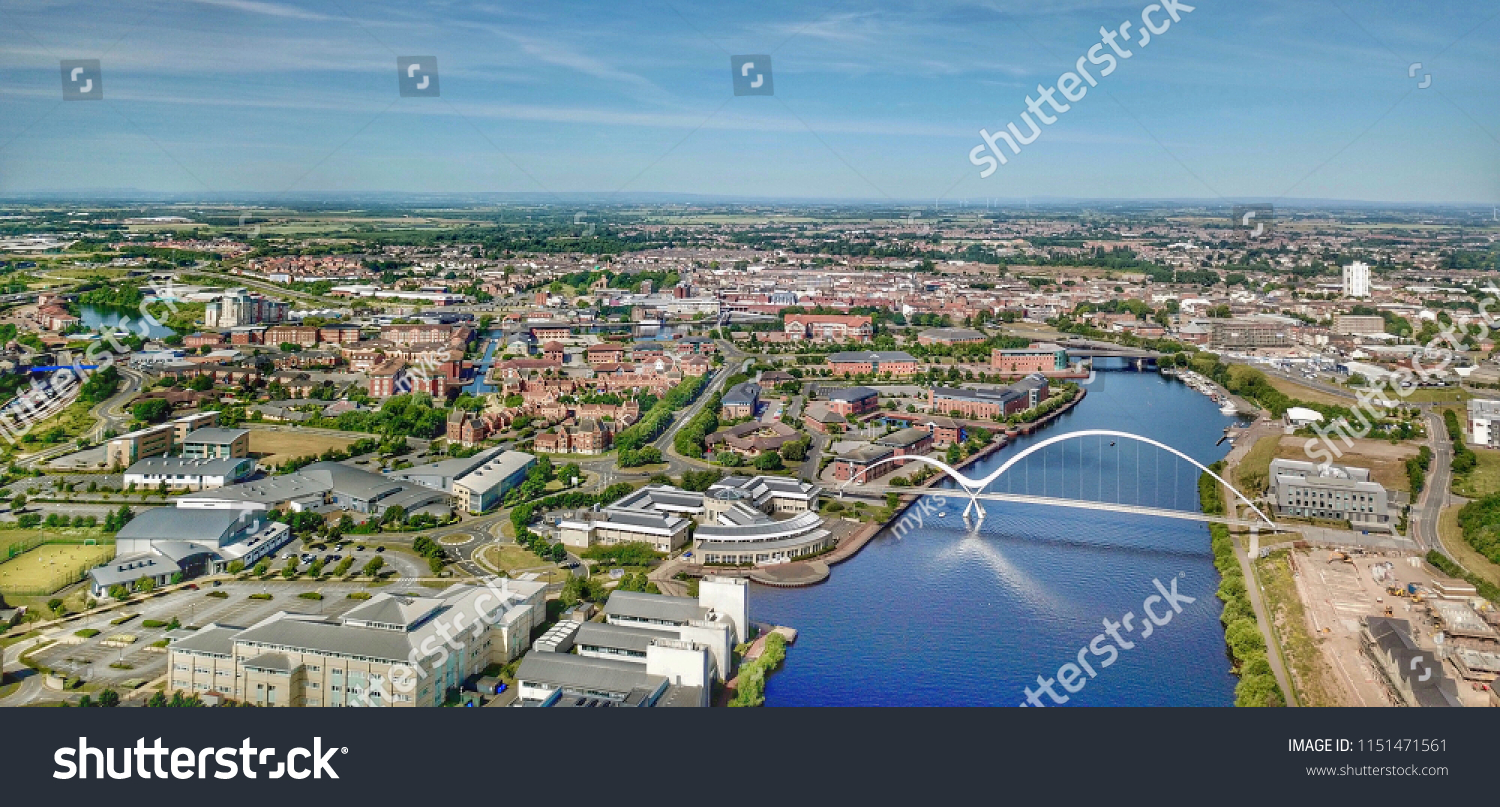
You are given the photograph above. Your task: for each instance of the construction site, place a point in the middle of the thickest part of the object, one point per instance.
(1394, 631)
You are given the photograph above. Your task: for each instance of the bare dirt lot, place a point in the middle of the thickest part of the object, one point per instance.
(1387, 463)
(275, 447)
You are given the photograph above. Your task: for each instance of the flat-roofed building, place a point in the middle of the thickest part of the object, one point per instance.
(1484, 422)
(1039, 357)
(1249, 333)
(183, 473)
(663, 515)
(187, 424)
(1357, 324)
(215, 443)
(1311, 490)
(152, 441)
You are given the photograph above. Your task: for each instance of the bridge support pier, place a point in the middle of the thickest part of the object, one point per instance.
(973, 505)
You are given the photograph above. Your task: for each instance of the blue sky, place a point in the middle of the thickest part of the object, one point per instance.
(1280, 99)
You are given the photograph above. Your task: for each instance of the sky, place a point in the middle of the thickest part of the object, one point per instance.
(1237, 99)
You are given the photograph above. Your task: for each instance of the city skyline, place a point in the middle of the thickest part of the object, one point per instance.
(218, 98)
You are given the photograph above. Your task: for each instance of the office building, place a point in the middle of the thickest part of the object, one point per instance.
(393, 650)
(1039, 357)
(216, 443)
(990, 403)
(152, 441)
(1310, 490)
(651, 650)
(476, 483)
(1484, 423)
(740, 401)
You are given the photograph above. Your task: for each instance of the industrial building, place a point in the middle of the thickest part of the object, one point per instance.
(477, 483)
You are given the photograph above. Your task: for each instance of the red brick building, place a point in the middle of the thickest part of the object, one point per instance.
(852, 400)
(605, 353)
(829, 327)
(200, 339)
(895, 362)
(304, 335)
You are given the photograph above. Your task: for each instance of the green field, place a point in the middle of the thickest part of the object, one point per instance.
(50, 567)
(1484, 479)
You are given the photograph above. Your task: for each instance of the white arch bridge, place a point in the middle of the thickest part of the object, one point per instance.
(978, 490)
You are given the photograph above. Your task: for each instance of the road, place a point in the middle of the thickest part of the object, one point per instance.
(1436, 495)
(110, 413)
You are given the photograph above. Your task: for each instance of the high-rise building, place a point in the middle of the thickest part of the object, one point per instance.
(1356, 280)
(239, 307)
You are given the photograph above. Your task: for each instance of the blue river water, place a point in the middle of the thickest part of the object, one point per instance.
(949, 615)
(99, 318)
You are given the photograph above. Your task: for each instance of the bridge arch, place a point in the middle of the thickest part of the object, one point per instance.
(974, 486)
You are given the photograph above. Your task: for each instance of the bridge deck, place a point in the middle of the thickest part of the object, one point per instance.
(1079, 504)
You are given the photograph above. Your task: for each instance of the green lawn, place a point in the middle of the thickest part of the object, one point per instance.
(1253, 473)
(1452, 537)
(1439, 395)
(1484, 479)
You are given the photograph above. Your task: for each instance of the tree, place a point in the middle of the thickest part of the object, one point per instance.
(119, 592)
(154, 410)
(145, 584)
(372, 569)
(235, 567)
(17, 502)
(109, 699)
(263, 566)
(768, 461)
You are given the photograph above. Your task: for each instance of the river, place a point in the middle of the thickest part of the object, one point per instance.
(948, 615)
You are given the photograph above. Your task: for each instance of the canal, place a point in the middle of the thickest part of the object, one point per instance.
(950, 615)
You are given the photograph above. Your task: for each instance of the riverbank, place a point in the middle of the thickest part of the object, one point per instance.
(797, 574)
(970, 613)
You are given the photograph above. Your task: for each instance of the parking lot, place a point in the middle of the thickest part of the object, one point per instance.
(91, 658)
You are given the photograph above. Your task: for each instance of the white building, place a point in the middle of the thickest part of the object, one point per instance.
(1356, 280)
(1483, 417)
(183, 473)
(651, 650)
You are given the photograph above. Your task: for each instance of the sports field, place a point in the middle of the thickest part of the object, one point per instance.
(50, 566)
